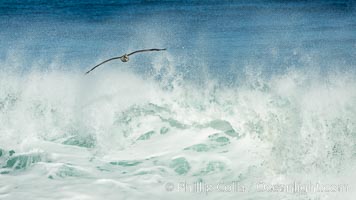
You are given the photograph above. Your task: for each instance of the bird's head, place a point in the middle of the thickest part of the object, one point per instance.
(124, 58)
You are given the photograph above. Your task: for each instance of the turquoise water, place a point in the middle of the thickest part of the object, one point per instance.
(252, 100)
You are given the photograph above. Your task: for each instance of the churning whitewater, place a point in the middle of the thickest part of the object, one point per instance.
(117, 135)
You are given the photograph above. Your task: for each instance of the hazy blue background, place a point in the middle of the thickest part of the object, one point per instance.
(222, 36)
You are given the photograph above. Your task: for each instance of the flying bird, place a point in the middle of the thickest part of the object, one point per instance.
(123, 58)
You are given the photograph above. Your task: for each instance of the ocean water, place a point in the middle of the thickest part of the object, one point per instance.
(251, 100)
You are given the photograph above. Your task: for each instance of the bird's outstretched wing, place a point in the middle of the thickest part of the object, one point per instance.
(144, 50)
(114, 58)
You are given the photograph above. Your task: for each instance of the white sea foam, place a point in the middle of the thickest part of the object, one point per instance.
(116, 135)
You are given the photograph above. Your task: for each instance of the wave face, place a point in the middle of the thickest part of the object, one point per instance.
(252, 100)
(117, 135)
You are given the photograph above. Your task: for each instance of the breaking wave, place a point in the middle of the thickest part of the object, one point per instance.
(118, 134)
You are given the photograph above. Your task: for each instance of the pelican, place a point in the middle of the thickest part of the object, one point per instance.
(123, 58)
